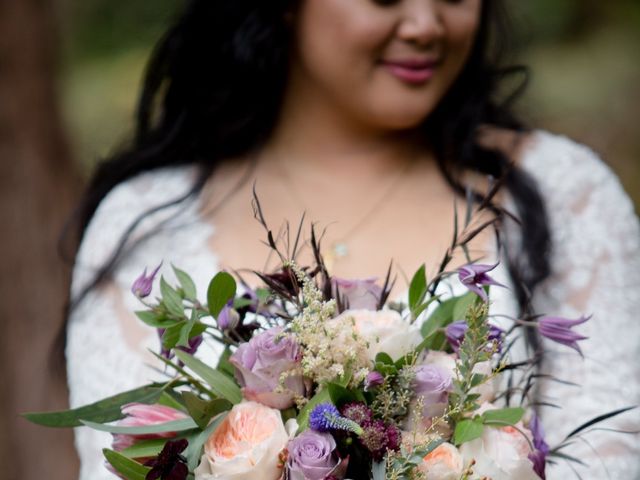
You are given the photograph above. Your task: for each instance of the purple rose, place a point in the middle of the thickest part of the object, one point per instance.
(261, 362)
(433, 385)
(357, 294)
(312, 456)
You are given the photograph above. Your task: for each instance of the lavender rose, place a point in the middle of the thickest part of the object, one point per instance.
(312, 456)
(433, 385)
(358, 294)
(260, 364)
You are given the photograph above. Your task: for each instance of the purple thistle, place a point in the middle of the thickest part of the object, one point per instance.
(325, 417)
(141, 287)
(539, 456)
(378, 438)
(169, 464)
(474, 277)
(358, 412)
(559, 330)
(456, 331)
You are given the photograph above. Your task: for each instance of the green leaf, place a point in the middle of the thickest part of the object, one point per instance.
(222, 288)
(467, 430)
(303, 417)
(186, 283)
(384, 358)
(440, 318)
(417, 288)
(340, 395)
(145, 448)
(172, 426)
(106, 410)
(503, 416)
(130, 469)
(156, 320)
(462, 305)
(171, 299)
(194, 450)
(224, 365)
(203, 411)
(171, 336)
(169, 400)
(220, 383)
(188, 331)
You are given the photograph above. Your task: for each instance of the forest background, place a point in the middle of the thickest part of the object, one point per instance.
(69, 73)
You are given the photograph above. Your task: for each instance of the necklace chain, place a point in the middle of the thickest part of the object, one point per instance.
(339, 248)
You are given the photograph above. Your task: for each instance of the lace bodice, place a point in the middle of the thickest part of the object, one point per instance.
(596, 270)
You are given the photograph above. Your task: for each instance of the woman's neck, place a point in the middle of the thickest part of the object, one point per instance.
(313, 137)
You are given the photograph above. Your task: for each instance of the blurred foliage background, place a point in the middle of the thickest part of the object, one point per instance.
(583, 55)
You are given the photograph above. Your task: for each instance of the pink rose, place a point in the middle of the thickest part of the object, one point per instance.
(140, 415)
(247, 445)
(358, 294)
(260, 364)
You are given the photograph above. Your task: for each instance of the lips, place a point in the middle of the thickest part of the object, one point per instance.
(414, 71)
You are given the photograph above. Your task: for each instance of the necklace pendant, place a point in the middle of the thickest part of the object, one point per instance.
(340, 250)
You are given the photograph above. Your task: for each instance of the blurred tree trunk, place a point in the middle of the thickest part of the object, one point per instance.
(38, 186)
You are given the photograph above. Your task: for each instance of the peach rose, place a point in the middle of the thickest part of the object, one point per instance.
(246, 445)
(443, 463)
(501, 453)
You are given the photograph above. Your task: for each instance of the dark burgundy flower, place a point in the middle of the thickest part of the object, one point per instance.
(377, 437)
(358, 412)
(169, 464)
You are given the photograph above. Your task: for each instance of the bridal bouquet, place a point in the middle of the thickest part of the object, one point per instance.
(324, 378)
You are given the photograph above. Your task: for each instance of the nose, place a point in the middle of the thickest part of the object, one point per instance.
(421, 22)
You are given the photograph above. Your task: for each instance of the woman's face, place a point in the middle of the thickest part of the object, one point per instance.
(386, 63)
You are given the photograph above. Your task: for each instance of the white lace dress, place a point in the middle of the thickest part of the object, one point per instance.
(596, 270)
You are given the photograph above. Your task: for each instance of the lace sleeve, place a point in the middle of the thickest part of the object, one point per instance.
(596, 270)
(107, 347)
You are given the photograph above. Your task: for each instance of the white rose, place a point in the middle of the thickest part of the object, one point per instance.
(501, 453)
(246, 445)
(443, 463)
(384, 331)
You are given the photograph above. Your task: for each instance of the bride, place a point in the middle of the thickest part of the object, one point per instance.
(372, 116)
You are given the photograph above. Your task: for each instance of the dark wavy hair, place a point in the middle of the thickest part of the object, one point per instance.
(214, 86)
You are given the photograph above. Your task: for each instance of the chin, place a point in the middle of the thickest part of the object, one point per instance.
(400, 118)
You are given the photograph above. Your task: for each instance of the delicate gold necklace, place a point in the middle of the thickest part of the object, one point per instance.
(339, 248)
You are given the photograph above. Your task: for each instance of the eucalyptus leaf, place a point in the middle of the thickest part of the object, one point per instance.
(172, 426)
(467, 430)
(196, 441)
(129, 469)
(222, 288)
(145, 448)
(156, 320)
(503, 416)
(440, 318)
(220, 383)
(186, 283)
(224, 365)
(171, 299)
(340, 395)
(384, 358)
(106, 410)
(203, 411)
